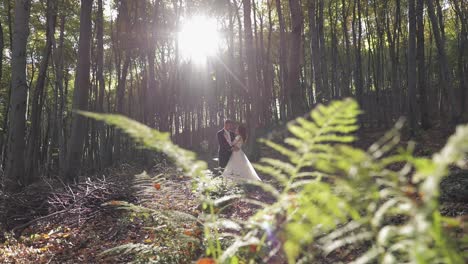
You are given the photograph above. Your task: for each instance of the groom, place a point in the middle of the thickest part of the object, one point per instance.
(225, 138)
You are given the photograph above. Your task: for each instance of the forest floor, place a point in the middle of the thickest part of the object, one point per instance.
(76, 224)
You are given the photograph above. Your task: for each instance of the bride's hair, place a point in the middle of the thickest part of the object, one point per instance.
(242, 132)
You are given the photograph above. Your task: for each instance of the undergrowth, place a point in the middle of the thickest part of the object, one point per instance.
(329, 197)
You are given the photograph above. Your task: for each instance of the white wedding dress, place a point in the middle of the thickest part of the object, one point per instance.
(239, 167)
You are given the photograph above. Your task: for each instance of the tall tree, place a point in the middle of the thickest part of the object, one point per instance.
(411, 99)
(80, 94)
(347, 64)
(437, 29)
(461, 9)
(314, 49)
(296, 97)
(357, 36)
(32, 155)
(14, 167)
(2, 46)
(59, 87)
(100, 82)
(283, 55)
(251, 71)
(422, 84)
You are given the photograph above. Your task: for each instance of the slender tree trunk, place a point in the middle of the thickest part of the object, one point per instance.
(334, 81)
(32, 155)
(423, 105)
(8, 99)
(120, 100)
(347, 67)
(461, 9)
(2, 46)
(231, 79)
(357, 34)
(297, 102)
(411, 108)
(59, 69)
(152, 90)
(282, 60)
(80, 95)
(315, 51)
(268, 72)
(439, 38)
(103, 159)
(322, 51)
(14, 168)
(251, 72)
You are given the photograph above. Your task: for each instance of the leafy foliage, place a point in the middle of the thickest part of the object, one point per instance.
(329, 195)
(332, 196)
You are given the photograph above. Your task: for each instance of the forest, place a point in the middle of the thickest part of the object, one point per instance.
(356, 114)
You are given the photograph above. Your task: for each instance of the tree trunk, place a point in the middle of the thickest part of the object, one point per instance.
(80, 95)
(315, 51)
(411, 98)
(120, 102)
(297, 103)
(322, 51)
(32, 155)
(103, 159)
(8, 99)
(282, 61)
(423, 105)
(347, 67)
(59, 67)
(251, 73)
(2, 46)
(14, 168)
(268, 73)
(461, 9)
(357, 35)
(443, 62)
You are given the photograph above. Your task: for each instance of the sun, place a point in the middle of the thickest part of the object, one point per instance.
(199, 39)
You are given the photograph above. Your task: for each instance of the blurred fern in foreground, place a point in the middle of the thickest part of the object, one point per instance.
(332, 198)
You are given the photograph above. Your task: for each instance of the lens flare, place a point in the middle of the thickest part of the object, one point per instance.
(198, 39)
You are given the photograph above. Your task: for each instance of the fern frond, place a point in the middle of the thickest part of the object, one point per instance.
(152, 139)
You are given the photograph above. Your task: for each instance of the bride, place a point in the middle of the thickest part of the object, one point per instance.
(239, 167)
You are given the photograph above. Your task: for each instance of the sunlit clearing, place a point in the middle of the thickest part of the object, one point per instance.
(198, 39)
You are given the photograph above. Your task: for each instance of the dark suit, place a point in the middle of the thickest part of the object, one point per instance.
(224, 150)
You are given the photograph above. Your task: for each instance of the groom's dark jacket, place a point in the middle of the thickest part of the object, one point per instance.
(224, 150)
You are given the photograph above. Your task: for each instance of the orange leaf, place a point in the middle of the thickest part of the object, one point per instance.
(206, 261)
(253, 248)
(157, 186)
(188, 232)
(114, 202)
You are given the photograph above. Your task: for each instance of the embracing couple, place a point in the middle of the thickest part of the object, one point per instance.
(237, 166)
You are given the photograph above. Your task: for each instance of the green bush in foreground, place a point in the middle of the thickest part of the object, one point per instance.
(330, 196)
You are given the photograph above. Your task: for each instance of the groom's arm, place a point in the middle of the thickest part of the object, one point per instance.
(222, 141)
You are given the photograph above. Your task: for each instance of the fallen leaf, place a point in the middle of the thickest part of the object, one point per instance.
(115, 202)
(206, 261)
(253, 248)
